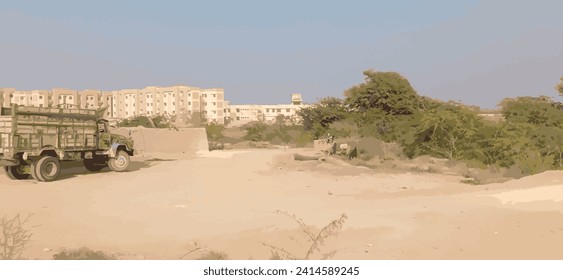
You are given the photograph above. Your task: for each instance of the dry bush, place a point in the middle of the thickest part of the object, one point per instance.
(14, 237)
(82, 254)
(316, 240)
(213, 255)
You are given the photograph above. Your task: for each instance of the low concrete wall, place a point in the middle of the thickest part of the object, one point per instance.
(158, 140)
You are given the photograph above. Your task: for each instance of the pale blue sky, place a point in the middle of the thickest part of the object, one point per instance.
(261, 51)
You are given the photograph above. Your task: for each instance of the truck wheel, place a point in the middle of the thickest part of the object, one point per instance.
(120, 162)
(48, 168)
(15, 172)
(93, 165)
(34, 171)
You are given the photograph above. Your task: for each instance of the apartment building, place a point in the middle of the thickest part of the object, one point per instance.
(241, 114)
(189, 104)
(6, 96)
(65, 96)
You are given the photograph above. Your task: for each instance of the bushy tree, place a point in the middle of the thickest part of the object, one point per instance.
(214, 131)
(541, 111)
(256, 132)
(387, 91)
(320, 115)
(444, 131)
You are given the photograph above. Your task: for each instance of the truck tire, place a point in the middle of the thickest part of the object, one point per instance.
(48, 168)
(34, 170)
(94, 165)
(15, 172)
(120, 162)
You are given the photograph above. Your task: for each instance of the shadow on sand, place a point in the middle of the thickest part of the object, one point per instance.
(70, 169)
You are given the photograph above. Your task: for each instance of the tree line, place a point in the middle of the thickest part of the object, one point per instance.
(529, 136)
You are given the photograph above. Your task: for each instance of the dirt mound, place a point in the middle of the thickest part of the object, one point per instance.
(155, 140)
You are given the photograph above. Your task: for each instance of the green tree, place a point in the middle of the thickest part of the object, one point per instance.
(319, 116)
(542, 111)
(214, 131)
(444, 131)
(256, 132)
(387, 91)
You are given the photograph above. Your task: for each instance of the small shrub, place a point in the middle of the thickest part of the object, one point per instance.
(316, 240)
(82, 254)
(214, 131)
(213, 255)
(303, 140)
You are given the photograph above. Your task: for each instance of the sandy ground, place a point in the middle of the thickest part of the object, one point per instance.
(166, 206)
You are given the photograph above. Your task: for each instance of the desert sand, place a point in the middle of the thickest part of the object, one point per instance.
(182, 205)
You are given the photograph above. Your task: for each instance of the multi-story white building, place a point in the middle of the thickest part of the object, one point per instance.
(190, 104)
(241, 114)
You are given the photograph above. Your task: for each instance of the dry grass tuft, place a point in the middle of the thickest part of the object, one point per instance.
(316, 240)
(14, 237)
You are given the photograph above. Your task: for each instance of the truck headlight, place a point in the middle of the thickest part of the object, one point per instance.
(8, 154)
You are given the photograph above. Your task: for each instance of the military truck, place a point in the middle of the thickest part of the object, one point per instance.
(34, 140)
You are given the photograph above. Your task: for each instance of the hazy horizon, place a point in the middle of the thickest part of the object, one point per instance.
(476, 52)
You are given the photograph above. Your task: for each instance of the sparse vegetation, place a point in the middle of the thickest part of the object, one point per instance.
(278, 134)
(214, 131)
(316, 240)
(14, 236)
(148, 122)
(82, 254)
(386, 107)
(213, 255)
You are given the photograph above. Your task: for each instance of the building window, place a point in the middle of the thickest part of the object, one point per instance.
(40, 96)
(70, 98)
(214, 103)
(287, 110)
(267, 110)
(279, 110)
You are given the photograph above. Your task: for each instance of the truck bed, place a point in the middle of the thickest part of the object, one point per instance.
(32, 128)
